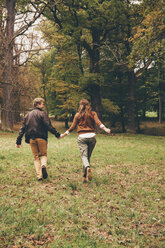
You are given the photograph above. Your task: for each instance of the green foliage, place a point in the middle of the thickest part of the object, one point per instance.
(64, 79)
(90, 79)
(148, 36)
(110, 107)
(95, 45)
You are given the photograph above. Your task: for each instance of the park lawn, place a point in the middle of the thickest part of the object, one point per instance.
(123, 206)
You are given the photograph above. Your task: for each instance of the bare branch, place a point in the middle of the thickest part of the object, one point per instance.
(32, 50)
(23, 29)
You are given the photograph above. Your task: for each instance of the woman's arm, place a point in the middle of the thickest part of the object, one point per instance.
(72, 127)
(100, 124)
(107, 130)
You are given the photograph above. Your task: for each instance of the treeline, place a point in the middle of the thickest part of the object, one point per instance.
(110, 52)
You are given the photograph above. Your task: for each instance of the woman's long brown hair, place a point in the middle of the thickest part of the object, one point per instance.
(84, 109)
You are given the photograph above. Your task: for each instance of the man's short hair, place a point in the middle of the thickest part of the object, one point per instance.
(38, 101)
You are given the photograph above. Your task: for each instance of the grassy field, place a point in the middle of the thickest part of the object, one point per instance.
(123, 206)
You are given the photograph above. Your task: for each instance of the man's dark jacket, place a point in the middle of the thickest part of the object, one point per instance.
(36, 124)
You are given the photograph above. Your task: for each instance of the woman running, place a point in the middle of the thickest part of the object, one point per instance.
(85, 121)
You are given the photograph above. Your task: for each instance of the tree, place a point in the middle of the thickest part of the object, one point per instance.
(26, 88)
(101, 31)
(87, 25)
(43, 67)
(63, 73)
(7, 119)
(92, 25)
(148, 44)
(9, 10)
(118, 77)
(65, 76)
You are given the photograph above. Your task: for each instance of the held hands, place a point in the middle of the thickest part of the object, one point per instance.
(62, 135)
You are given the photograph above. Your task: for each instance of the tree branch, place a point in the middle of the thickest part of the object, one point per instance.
(87, 47)
(140, 71)
(23, 29)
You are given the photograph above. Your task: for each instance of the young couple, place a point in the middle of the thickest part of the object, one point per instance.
(36, 125)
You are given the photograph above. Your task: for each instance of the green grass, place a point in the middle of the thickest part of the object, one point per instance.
(151, 114)
(123, 206)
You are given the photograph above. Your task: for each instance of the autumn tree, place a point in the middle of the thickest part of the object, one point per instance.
(65, 77)
(60, 73)
(86, 23)
(91, 26)
(27, 87)
(148, 46)
(103, 34)
(11, 11)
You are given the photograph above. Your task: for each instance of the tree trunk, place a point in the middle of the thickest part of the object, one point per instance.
(95, 69)
(160, 110)
(131, 124)
(45, 97)
(95, 98)
(7, 114)
(66, 123)
(79, 51)
(160, 95)
(93, 88)
(95, 52)
(121, 104)
(16, 108)
(122, 119)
